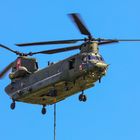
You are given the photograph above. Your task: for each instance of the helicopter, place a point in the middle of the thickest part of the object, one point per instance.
(60, 80)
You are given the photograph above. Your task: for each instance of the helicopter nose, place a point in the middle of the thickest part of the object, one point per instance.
(101, 65)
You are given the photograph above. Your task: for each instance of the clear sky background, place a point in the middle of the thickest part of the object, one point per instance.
(112, 111)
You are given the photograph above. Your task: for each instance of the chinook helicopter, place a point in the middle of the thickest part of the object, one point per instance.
(60, 80)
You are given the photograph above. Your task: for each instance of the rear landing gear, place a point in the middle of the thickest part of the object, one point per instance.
(43, 111)
(13, 105)
(82, 97)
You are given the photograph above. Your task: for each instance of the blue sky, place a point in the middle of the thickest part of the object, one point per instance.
(112, 110)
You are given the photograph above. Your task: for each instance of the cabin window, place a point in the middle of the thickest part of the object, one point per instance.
(36, 65)
(71, 63)
(84, 58)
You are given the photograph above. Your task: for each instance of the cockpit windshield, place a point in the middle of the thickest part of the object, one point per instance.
(95, 57)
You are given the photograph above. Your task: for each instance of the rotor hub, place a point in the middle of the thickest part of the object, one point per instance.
(91, 46)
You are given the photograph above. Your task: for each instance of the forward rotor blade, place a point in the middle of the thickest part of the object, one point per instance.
(80, 24)
(48, 43)
(2, 73)
(57, 50)
(125, 40)
(107, 42)
(117, 40)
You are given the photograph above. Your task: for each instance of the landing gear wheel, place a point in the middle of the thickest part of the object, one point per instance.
(13, 105)
(100, 80)
(43, 111)
(82, 97)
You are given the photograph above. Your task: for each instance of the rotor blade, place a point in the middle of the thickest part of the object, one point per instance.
(107, 42)
(3, 72)
(127, 40)
(80, 24)
(7, 48)
(57, 50)
(49, 42)
(117, 40)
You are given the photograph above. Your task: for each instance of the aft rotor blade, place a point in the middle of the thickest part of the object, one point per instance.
(7, 48)
(3, 72)
(80, 24)
(57, 50)
(48, 42)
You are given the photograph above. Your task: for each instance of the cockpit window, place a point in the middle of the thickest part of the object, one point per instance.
(91, 57)
(101, 58)
(94, 57)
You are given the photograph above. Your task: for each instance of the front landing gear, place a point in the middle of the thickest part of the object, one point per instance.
(82, 97)
(13, 105)
(43, 111)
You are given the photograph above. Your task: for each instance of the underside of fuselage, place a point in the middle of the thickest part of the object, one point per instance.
(62, 90)
(51, 94)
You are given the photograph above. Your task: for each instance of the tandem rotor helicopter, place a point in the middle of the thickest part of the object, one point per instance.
(60, 80)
